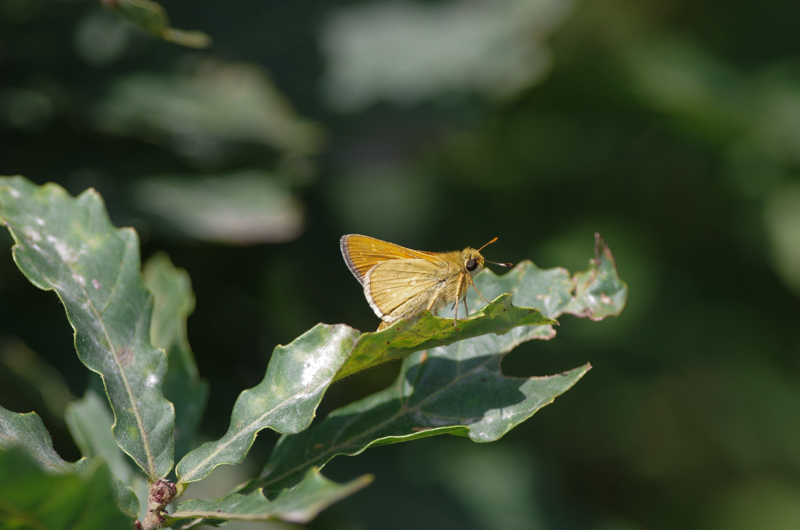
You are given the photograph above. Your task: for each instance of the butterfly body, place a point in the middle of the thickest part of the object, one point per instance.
(399, 282)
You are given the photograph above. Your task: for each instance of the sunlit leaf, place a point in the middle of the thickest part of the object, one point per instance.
(459, 388)
(299, 504)
(426, 331)
(69, 245)
(285, 400)
(538, 295)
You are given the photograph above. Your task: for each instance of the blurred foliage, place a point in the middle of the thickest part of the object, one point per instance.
(669, 127)
(152, 18)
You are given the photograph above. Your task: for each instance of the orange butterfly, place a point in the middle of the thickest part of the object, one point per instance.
(399, 282)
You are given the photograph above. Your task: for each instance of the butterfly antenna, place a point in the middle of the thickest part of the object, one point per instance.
(506, 265)
(489, 243)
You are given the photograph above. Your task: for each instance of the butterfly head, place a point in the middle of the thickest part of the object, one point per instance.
(472, 261)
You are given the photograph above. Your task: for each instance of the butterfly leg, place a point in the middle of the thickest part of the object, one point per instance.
(458, 299)
(477, 291)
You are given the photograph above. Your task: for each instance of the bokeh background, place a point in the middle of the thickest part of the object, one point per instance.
(672, 127)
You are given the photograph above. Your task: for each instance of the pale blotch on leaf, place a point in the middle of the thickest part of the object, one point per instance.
(66, 254)
(125, 355)
(32, 235)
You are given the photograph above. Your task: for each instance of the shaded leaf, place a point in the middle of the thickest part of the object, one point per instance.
(34, 498)
(200, 115)
(372, 57)
(173, 303)
(89, 422)
(456, 389)
(69, 245)
(27, 377)
(152, 18)
(299, 504)
(285, 400)
(27, 431)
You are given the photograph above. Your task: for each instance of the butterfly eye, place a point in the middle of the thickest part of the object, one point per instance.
(471, 264)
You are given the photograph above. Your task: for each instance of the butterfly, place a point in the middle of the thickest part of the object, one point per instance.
(400, 282)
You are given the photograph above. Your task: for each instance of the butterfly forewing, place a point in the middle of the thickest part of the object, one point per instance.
(403, 287)
(361, 253)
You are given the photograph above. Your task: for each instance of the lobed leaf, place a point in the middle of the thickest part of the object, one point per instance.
(173, 303)
(424, 331)
(26, 430)
(285, 400)
(89, 422)
(299, 504)
(539, 297)
(457, 387)
(595, 293)
(35, 498)
(69, 245)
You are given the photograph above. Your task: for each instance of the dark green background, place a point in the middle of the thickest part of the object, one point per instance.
(670, 127)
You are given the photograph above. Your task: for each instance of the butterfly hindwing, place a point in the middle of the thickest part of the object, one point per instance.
(403, 287)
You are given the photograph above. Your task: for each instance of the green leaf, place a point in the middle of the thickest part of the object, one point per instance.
(173, 303)
(297, 505)
(424, 331)
(34, 498)
(152, 18)
(595, 293)
(222, 105)
(28, 432)
(539, 296)
(285, 400)
(458, 388)
(69, 245)
(89, 422)
(241, 208)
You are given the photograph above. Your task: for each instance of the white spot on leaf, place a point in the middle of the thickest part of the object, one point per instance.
(32, 235)
(65, 253)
